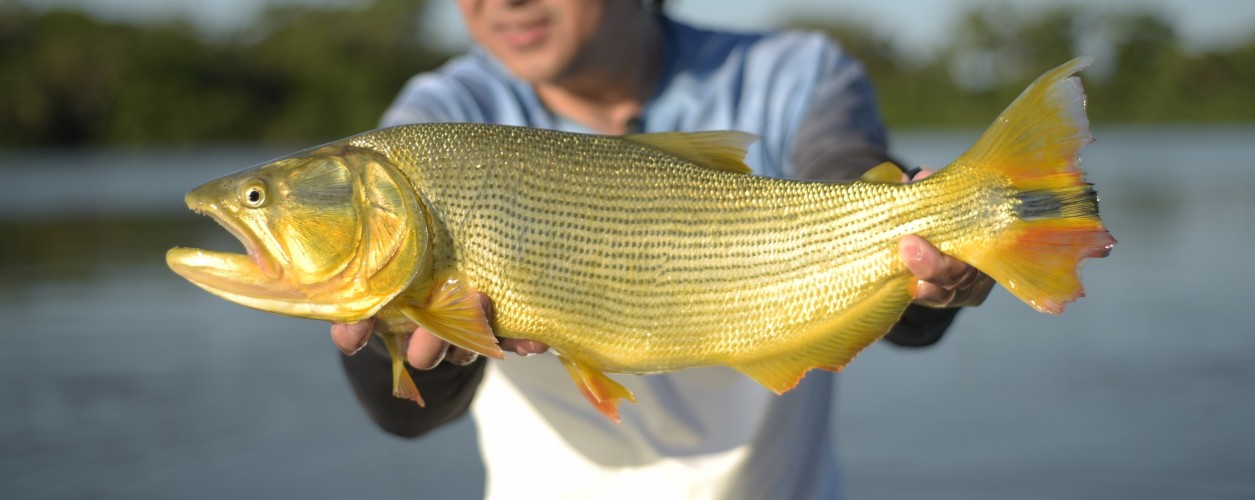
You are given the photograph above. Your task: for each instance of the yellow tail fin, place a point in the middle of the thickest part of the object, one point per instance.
(1035, 144)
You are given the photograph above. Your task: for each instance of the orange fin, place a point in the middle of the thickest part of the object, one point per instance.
(600, 390)
(402, 384)
(885, 173)
(1040, 260)
(719, 150)
(1035, 144)
(831, 344)
(454, 313)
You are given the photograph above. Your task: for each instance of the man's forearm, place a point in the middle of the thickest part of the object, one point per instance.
(921, 326)
(447, 390)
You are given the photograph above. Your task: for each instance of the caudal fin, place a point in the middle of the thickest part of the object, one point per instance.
(1035, 144)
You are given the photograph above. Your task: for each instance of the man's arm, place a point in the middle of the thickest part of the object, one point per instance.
(839, 139)
(446, 376)
(447, 389)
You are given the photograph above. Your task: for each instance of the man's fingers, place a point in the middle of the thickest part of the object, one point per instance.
(942, 280)
(422, 349)
(523, 347)
(425, 350)
(929, 264)
(352, 337)
(928, 294)
(460, 356)
(486, 304)
(976, 293)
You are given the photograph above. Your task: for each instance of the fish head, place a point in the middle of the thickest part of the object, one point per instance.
(332, 233)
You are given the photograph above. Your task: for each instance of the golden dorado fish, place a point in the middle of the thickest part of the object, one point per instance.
(643, 253)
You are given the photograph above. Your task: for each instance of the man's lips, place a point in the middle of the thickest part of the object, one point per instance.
(522, 34)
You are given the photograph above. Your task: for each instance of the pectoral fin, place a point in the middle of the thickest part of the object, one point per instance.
(599, 389)
(454, 313)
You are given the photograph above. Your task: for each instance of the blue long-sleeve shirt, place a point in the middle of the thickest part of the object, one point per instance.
(698, 433)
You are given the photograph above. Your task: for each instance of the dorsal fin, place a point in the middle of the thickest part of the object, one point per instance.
(720, 150)
(885, 173)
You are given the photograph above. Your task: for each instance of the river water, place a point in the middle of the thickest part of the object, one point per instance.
(120, 380)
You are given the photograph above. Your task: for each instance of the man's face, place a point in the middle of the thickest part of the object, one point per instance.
(543, 40)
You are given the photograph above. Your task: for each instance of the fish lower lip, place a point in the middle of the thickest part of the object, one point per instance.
(225, 274)
(219, 270)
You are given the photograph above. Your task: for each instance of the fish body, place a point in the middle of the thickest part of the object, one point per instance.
(647, 253)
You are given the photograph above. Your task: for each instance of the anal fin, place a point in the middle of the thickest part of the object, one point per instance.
(600, 390)
(831, 344)
(454, 314)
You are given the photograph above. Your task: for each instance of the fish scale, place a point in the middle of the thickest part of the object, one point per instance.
(603, 277)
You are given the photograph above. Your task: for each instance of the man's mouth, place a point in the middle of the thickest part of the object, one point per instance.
(523, 34)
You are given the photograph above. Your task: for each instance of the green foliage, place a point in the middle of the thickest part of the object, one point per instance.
(305, 74)
(301, 74)
(997, 50)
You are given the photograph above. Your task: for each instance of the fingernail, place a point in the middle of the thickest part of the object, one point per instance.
(435, 361)
(363, 346)
(525, 349)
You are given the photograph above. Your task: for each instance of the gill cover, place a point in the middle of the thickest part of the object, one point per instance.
(332, 233)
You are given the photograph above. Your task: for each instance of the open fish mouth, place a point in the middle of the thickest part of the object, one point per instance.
(243, 278)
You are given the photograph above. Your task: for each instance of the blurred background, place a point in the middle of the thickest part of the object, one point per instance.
(120, 380)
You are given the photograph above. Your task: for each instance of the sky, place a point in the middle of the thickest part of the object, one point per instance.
(914, 26)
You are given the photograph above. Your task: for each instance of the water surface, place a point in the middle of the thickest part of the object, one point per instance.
(120, 380)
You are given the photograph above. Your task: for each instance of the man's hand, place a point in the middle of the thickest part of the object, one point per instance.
(942, 280)
(424, 350)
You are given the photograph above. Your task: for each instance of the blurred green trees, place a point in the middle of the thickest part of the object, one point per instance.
(1142, 74)
(308, 74)
(300, 74)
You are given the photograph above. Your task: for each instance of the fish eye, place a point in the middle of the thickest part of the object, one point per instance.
(254, 194)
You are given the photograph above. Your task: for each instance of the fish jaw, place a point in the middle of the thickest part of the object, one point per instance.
(236, 278)
(336, 234)
(253, 279)
(200, 201)
(232, 276)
